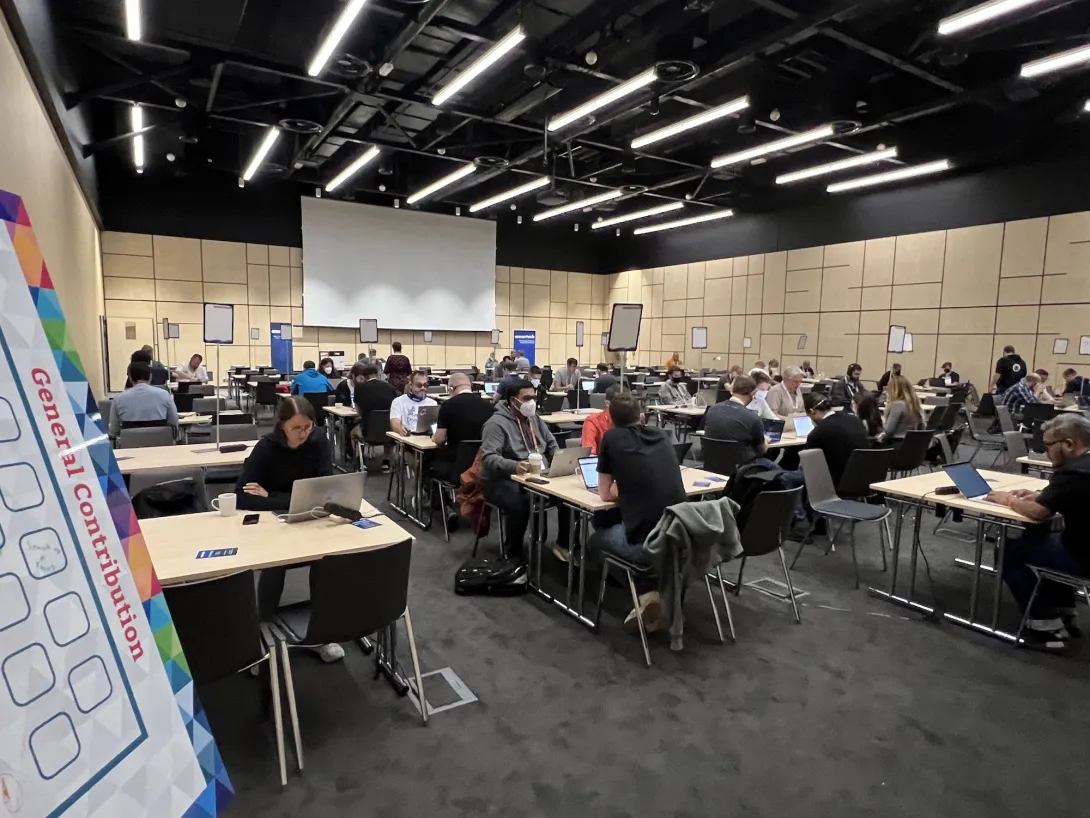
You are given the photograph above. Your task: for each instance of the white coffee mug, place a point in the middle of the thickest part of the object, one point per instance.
(537, 462)
(226, 504)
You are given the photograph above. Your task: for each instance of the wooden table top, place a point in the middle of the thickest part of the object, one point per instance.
(194, 419)
(269, 542)
(570, 489)
(422, 443)
(204, 455)
(1037, 460)
(688, 411)
(341, 411)
(922, 487)
(570, 417)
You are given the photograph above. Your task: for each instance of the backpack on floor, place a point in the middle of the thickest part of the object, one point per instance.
(489, 577)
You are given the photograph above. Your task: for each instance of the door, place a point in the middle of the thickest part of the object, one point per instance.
(123, 337)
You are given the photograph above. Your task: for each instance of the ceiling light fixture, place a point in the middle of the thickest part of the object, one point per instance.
(449, 179)
(712, 114)
(833, 167)
(978, 15)
(602, 100)
(262, 151)
(334, 37)
(773, 147)
(1086, 107)
(572, 206)
(890, 176)
(134, 28)
(1057, 62)
(510, 194)
(639, 214)
(352, 169)
(137, 121)
(710, 217)
(479, 66)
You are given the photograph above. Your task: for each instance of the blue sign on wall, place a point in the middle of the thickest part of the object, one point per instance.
(526, 343)
(280, 347)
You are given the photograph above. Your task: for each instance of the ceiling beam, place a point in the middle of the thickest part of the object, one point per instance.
(73, 99)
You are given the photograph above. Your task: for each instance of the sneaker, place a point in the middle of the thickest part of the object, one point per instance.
(1050, 641)
(562, 554)
(650, 611)
(1071, 625)
(330, 653)
(385, 466)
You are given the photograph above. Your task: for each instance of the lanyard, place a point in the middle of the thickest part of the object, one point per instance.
(533, 436)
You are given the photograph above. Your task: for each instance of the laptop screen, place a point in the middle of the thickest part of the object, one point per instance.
(587, 385)
(967, 479)
(588, 467)
(803, 426)
(773, 428)
(490, 388)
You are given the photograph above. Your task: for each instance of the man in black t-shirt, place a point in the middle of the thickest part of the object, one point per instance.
(1052, 616)
(460, 418)
(1009, 370)
(372, 395)
(836, 434)
(604, 379)
(638, 470)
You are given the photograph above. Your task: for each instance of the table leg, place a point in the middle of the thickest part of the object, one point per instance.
(891, 594)
(386, 659)
(1001, 552)
(583, 522)
(915, 552)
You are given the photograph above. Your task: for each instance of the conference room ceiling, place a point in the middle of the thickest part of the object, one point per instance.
(212, 75)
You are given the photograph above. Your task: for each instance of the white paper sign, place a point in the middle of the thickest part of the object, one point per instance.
(1084, 345)
(1059, 346)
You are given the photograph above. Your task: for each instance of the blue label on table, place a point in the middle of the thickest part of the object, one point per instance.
(718, 479)
(216, 552)
(365, 524)
(701, 483)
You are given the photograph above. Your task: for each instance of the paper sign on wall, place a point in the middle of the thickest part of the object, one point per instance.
(700, 337)
(98, 713)
(1059, 346)
(896, 341)
(747, 343)
(908, 342)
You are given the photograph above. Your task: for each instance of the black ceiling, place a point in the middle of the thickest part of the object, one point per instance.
(875, 67)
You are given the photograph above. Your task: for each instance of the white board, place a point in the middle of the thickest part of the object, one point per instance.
(368, 330)
(896, 341)
(624, 327)
(219, 323)
(700, 338)
(579, 333)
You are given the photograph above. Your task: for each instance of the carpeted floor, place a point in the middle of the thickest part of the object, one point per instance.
(863, 709)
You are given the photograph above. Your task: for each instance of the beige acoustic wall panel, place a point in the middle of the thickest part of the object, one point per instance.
(919, 258)
(1024, 248)
(178, 259)
(971, 267)
(1067, 260)
(842, 277)
(126, 244)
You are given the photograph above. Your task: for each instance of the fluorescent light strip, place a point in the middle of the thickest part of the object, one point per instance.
(773, 147)
(982, 14)
(486, 61)
(712, 114)
(137, 118)
(621, 91)
(351, 170)
(568, 208)
(134, 28)
(1086, 107)
(449, 179)
(513, 193)
(333, 39)
(710, 217)
(1065, 59)
(639, 214)
(833, 167)
(890, 176)
(262, 151)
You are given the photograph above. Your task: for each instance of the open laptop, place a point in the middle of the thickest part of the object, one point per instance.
(801, 425)
(343, 489)
(490, 388)
(774, 429)
(567, 460)
(969, 481)
(586, 386)
(588, 468)
(426, 418)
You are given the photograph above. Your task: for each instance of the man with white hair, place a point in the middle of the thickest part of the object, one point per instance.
(785, 398)
(460, 418)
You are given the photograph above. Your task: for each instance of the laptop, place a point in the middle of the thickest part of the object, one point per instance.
(969, 481)
(774, 429)
(801, 424)
(587, 385)
(343, 489)
(490, 388)
(588, 468)
(426, 419)
(566, 461)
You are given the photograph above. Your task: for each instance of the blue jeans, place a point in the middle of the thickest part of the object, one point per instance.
(614, 540)
(1045, 550)
(794, 479)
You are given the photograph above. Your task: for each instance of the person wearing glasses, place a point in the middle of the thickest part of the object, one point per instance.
(292, 451)
(1052, 614)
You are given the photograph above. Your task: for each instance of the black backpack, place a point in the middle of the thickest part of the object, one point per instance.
(489, 577)
(750, 480)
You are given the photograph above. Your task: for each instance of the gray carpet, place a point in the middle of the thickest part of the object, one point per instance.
(863, 709)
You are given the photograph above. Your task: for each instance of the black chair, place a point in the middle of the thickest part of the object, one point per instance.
(378, 424)
(207, 406)
(722, 395)
(1051, 575)
(241, 419)
(986, 407)
(183, 401)
(722, 456)
(1037, 413)
(631, 570)
(681, 450)
(865, 466)
(767, 528)
(143, 424)
(935, 419)
(265, 395)
(950, 416)
(236, 644)
(463, 459)
(143, 437)
(353, 596)
(911, 453)
(319, 400)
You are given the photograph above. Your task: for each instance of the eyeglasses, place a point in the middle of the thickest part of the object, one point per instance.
(300, 429)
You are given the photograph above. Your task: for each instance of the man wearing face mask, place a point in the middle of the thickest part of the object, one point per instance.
(404, 410)
(948, 375)
(508, 439)
(674, 392)
(310, 380)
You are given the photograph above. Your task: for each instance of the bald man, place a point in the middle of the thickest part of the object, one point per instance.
(460, 418)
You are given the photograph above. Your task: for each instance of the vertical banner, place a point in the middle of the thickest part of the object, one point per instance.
(280, 347)
(526, 343)
(98, 713)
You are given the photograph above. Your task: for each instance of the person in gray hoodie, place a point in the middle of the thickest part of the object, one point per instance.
(508, 439)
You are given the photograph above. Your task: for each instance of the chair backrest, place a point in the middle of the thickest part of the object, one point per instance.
(682, 449)
(597, 401)
(986, 407)
(144, 424)
(1016, 447)
(573, 443)
(241, 419)
(936, 400)
(265, 393)
(141, 438)
(235, 642)
(865, 466)
(234, 434)
(353, 595)
(138, 481)
(922, 382)
(202, 389)
(722, 456)
(553, 404)
(1038, 412)
(319, 400)
(183, 401)
(722, 395)
(377, 427)
(912, 451)
(437, 390)
(950, 416)
(105, 410)
(1006, 422)
(815, 473)
(207, 406)
(769, 521)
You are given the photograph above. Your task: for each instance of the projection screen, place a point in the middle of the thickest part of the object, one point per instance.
(409, 270)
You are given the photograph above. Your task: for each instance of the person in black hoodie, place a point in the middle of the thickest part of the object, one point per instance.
(292, 451)
(372, 394)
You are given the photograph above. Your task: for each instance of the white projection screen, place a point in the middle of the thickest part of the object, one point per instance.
(409, 270)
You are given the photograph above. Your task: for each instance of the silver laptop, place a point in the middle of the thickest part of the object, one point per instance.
(426, 418)
(567, 460)
(343, 489)
(801, 425)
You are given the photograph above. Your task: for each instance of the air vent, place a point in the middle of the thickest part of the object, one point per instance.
(348, 65)
(300, 125)
(553, 197)
(676, 70)
(491, 162)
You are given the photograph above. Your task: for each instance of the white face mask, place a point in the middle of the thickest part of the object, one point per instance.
(536, 382)
(528, 408)
(327, 370)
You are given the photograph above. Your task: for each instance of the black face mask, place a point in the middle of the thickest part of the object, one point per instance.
(675, 378)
